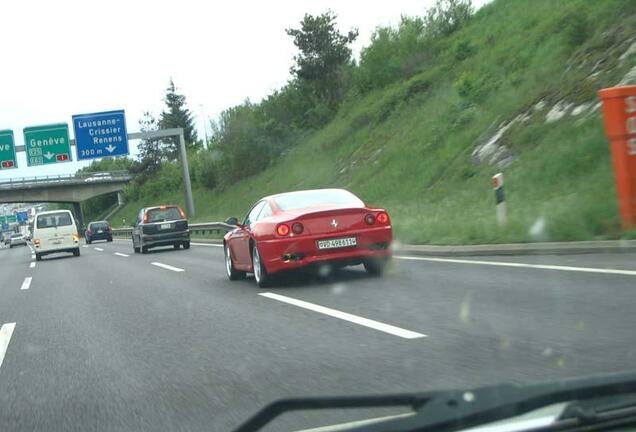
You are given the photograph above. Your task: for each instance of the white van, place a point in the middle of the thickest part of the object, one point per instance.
(53, 232)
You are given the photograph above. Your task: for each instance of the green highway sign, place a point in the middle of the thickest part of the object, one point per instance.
(47, 144)
(8, 159)
(8, 219)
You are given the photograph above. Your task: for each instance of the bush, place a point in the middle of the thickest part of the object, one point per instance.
(576, 28)
(206, 169)
(462, 50)
(447, 16)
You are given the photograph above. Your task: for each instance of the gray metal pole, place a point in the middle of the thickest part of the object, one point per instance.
(186, 176)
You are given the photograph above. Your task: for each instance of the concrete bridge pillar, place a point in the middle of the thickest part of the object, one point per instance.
(79, 217)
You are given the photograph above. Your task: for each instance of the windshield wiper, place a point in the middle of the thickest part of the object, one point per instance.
(453, 410)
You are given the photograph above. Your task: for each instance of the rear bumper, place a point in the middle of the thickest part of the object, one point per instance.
(102, 236)
(296, 252)
(167, 239)
(62, 248)
(20, 243)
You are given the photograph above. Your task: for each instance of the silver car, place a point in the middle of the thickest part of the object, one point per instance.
(16, 240)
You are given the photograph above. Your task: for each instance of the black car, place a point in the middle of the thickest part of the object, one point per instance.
(98, 230)
(160, 226)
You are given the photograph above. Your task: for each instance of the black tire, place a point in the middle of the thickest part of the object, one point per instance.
(263, 279)
(230, 271)
(375, 266)
(186, 245)
(76, 252)
(10, 246)
(176, 245)
(144, 249)
(109, 240)
(136, 249)
(38, 257)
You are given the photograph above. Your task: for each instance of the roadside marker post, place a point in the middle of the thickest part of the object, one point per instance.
(500, 201)
(619, 113)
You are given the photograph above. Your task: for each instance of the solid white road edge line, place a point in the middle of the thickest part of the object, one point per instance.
(27, 283)
(523, 265)
(121, 254)
(376, 325)
(33, 256)
(32, 265)
(5, 336)
(167, 267)
(207, 244)
(99, 249)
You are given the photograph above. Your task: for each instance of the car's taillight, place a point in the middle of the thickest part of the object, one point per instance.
(297, 228)
(76, 237)
(369, 219)
(282, 230)
(382, 218)
(36, 242)
(183, 216)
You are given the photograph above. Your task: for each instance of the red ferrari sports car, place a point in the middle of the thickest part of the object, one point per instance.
(297, 229)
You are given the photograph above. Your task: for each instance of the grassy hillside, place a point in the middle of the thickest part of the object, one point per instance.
(409, 146)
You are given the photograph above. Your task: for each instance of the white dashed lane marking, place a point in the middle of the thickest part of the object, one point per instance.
(121, 254)
(32, 265)
(167, 267)
(26, 284)
(376, 325)
(99, 249)
(5, 336)
(522, 265)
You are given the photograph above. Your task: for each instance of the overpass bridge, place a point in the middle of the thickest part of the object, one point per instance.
(73, 188)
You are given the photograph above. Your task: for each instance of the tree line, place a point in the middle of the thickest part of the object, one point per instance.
(247, 138)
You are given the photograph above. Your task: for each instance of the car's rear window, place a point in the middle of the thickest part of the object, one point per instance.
(54, 220)
(305, 199)
(163, 214)
(99, 225)
(16, 235)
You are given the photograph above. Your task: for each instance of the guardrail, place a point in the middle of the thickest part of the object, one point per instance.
(97, 177)
(195, 228)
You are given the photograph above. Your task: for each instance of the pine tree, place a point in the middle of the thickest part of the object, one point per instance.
(150, 151)
(177, 115)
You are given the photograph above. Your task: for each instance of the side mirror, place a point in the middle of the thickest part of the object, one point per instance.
(232, 221)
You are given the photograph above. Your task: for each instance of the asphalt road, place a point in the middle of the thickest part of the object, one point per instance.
(115, 341)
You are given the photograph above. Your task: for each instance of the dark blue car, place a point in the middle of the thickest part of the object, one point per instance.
(99, 230)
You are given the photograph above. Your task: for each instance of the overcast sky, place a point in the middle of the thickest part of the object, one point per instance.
(60, 58)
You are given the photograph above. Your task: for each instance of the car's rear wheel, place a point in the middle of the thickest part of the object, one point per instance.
(88, 241)
(260, 273)
(231, 272)
(186, 245)
(136, 249)
(38, 257)
(144, 249)
(76, 252)
(375, 266)
(176, 245)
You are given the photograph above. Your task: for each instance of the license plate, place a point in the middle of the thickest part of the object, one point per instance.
(99, 231)
(337, 243)
(165, 226)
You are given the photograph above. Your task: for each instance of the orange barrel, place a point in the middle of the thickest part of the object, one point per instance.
(619, 112)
